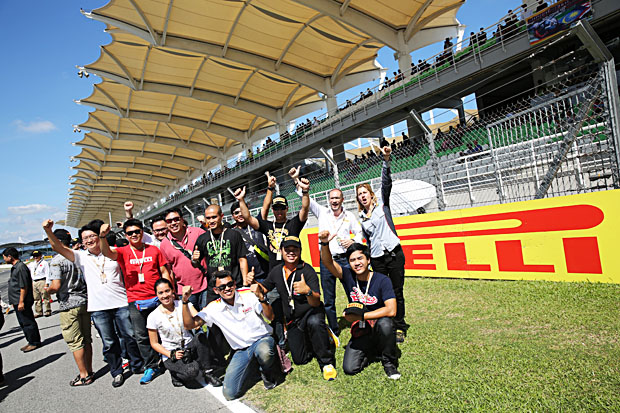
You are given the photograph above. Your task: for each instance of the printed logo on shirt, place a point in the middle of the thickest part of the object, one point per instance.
(357, 295)
(138, 261)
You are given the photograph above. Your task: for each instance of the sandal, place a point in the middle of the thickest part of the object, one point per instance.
(81, 381)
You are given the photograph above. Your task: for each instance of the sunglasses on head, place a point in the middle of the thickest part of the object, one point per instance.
(134, 232)
(171, 220)
(221, 288)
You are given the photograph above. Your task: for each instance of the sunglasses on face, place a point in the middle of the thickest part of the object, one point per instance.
(279, 208)
(134, 232)
(171, 220)
(237, 212)
(221, 288)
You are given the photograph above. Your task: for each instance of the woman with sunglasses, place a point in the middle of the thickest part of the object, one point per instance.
(386, 253)
(185, 356)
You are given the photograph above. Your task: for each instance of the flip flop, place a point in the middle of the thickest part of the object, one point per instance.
(81, 381)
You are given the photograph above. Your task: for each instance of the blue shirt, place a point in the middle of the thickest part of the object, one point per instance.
(379, 292)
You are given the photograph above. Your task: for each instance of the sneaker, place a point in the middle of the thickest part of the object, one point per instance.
(333, 337)
(118, 380)
(267, 382)
(212, 378)
(329, 372)
(391, 371)
(400, 336)
(176, 382)
(149, 375)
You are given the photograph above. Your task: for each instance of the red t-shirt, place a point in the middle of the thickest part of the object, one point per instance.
(129, 260)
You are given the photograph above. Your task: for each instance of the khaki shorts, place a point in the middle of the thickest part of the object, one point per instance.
(75, 325)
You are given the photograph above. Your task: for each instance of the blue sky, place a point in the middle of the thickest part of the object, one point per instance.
(43, 42)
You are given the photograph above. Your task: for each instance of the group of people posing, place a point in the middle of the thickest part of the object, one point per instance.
(229, 302)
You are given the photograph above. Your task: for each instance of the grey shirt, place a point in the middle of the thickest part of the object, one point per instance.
(20, 278)
(72, 291)
(378, 226)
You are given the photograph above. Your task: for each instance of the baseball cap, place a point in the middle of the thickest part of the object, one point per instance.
(355, 309)
(280, 200)
(291, 241)
(36, 253)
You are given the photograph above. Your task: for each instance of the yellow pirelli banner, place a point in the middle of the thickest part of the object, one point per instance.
(569, 238)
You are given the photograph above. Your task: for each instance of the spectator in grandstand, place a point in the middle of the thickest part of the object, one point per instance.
(21, 298)
(481, 36)
(177, 249)
(139, 276)
(184, 355)
(107, 298)
(255, 242)
(240, 314)
(346, 230)
(372, 296)
(541, 6)
(40, 270)
(298, 287)
(68, 283)
(386, 253)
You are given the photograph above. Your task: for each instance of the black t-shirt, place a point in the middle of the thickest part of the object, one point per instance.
(254, 241)
(275, 279)
(232, 248)
(276, 233)
(20, 278)
(379, 292)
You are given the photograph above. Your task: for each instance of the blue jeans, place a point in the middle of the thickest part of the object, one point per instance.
(198, 300)
(104, 323)
(239, 368)
(328, 286)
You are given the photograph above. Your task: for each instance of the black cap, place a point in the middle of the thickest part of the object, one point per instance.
(355, 309)
(280, 200)
(291, 241)
(36, 253)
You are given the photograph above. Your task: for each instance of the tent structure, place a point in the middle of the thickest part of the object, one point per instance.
(187, 84)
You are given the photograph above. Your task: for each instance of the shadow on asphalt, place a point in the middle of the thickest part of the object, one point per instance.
(18, 330)
(52, 339)
(11, 341)
(17, 378)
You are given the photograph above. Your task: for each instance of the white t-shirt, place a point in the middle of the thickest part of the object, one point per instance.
(169, 326)
(150, 239)
(40, 270)
(104, 293)
(242, 323)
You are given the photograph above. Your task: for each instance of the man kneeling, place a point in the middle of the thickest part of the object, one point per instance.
(372, 306)
(240, 315)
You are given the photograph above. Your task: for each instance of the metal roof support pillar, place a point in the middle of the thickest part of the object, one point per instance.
(191, 214)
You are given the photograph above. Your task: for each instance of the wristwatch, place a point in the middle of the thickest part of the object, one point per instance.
(324, 243)
(309, 293)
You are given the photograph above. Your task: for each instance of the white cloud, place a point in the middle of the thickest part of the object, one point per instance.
(30, 209)
(36, 126)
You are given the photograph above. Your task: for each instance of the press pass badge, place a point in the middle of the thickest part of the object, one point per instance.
(291, 304)
(104, 279)
(220, 268)
(279, 256)
(141, 277)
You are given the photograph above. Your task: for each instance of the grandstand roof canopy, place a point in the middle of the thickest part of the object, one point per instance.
(186, 82)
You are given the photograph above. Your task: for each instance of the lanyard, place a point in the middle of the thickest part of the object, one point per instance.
(280, 234)
(177, 325)
(289, 289)
(102, 275)
(219, 256)
(344, 216)
(365, 296)
(136, 257)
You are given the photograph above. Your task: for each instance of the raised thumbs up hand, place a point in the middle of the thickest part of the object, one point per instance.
(249, 278)
(301, 288)
(196, 254)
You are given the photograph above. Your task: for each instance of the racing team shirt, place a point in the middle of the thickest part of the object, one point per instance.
(241, 323)
(275, 279)
(276, 232)
(133, 263)
(222, 251)
(375, 296)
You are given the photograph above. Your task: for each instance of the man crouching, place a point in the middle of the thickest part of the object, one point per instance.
(240, 314)
(371, 309)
